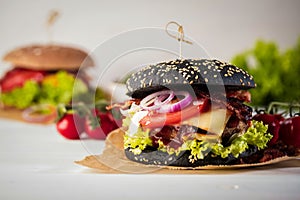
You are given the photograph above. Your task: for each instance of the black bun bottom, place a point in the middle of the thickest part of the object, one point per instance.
(151, 156)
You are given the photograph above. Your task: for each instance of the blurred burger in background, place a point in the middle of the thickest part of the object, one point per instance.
(44, 74)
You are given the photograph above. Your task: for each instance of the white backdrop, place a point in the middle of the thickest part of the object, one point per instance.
(223, 27)
(37, 163)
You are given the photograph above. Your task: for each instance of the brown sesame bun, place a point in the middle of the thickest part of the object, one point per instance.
(49, 57)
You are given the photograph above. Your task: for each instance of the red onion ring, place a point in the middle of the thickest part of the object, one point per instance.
(167, 108)
(157, 99)
(35, 113)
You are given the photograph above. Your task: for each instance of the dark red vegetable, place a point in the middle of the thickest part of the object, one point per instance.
(70, 126)
(100, 125)
(289, 131)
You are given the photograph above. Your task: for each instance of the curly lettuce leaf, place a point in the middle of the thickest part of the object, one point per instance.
(256, 135)
(21, 97)
(138, 142)
(199, 149)
(58, 88)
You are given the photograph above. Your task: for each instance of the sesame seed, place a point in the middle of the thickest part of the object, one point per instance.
(150, 82)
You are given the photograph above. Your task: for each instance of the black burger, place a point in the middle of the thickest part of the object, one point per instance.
(189, 113)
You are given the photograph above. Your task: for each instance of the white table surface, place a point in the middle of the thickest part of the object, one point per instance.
(37, 163)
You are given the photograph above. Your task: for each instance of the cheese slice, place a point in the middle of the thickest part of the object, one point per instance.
(213, 121)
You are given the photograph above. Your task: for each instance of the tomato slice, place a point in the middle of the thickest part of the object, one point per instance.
(161, 119)
(18, 76)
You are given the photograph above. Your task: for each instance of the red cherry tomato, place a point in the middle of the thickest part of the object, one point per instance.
(18, 76)
(289, 131)
(70, 126)
(101, 125)
(273, 122)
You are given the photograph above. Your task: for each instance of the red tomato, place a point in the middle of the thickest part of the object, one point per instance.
(100, 126)
(159, 120)
(289, 131)
(70, 126)
(17, 77)
(273, 122)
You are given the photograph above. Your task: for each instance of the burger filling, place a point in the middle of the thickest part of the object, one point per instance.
(21, 88)
(173, 122)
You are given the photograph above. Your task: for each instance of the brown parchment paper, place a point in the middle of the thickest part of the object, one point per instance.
(10, 113)
(16, 115)
(113, 160)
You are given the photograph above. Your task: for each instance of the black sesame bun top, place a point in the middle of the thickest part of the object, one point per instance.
(197, 73)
